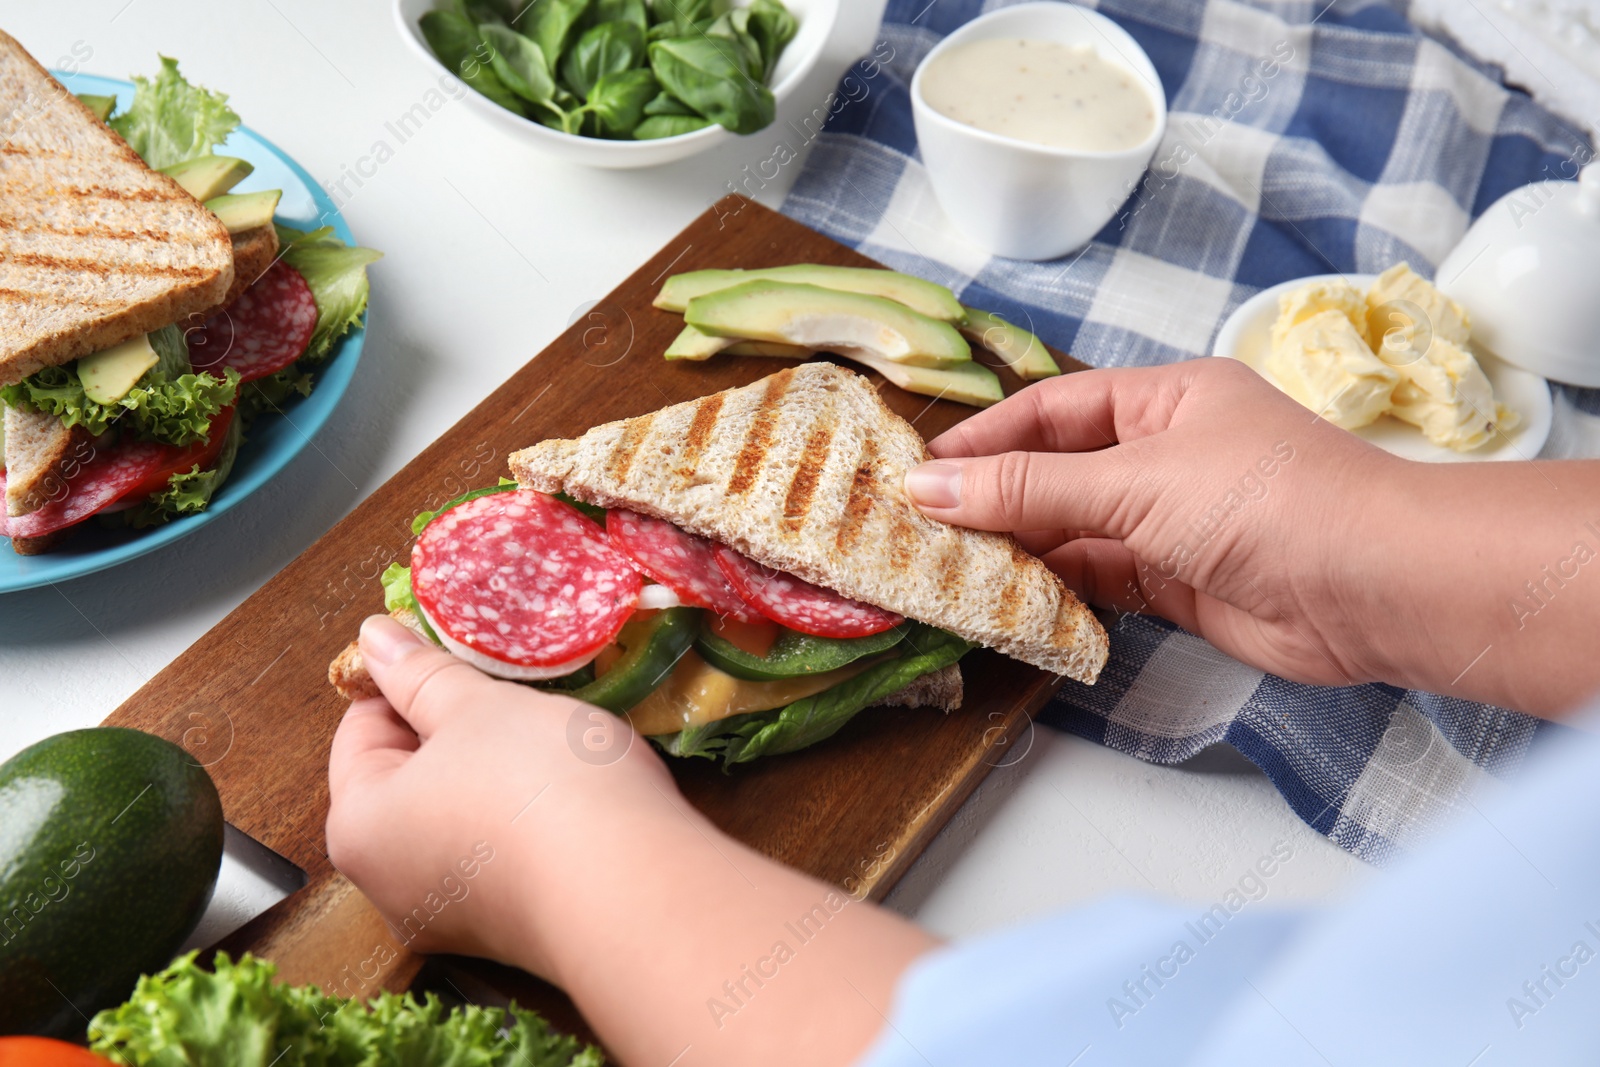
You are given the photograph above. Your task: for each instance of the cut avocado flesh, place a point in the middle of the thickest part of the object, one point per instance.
(827, 320)
(692, 344)
(208, 177)
(918, 294)
(107, 375)
(102, 106)
(1023, 352)
(966, 383)
(245, 211)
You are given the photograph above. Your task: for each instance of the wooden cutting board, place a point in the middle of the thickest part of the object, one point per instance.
(251, 699)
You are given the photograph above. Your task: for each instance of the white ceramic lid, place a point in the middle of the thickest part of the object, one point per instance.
(1528, 273)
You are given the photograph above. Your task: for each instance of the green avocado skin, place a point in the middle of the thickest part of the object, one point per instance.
(110, 843)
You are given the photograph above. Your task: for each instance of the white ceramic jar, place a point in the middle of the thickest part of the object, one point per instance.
(1023, 200)
(1528, 273)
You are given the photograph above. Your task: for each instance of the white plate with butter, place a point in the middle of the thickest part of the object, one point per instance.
(1246, 336)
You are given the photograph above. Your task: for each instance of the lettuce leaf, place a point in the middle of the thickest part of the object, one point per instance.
(396, 581)
(805, 722)
(187, 492)
(171, 121)
(269, 394)
(169, 403)
(337, 275)
(238, 1016)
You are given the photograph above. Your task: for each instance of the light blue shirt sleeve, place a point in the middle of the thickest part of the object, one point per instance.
(1482, 950)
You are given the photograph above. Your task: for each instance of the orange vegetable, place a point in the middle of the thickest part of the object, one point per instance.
(46, 1052)
(756, 638)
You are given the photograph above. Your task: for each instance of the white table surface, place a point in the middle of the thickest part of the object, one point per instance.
(491, 250)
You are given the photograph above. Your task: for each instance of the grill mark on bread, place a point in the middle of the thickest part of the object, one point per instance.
(748, 464)
(700, 430)
(797, 504)
(858, 505)
(1010, 605)
(951, 563)
(903, 539)
(90, 266)
(163, 236)
(633, 435)
(1066, 624)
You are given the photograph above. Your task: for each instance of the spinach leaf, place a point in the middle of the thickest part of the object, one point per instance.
(519, 63)
(658, 126)
(709, 75)
(609, 48)
(732, 26)
(618, 100)
(455, 40)
(686, 16)
(633, 11)
(550, 23)
(667, 104)
(773, 27)
(805, 722)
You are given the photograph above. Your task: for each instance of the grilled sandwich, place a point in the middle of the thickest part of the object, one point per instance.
(795, 480)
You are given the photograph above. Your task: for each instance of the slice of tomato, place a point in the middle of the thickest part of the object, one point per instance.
(126, 472)
(46, 1052)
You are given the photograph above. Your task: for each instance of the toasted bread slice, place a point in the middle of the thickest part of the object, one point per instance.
(802, 471)
(942, 689)
(38, 449)
(253, 252)
(95, 247)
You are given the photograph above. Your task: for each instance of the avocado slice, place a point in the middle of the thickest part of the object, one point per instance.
(107, 375)
(102, 106)
(245, 211)
(966, 383)
(918, 294)
(208, 177)
(1023, 352)
(692, 344)
(813, 317)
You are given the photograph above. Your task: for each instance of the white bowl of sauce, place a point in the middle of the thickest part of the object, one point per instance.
(1035, 123)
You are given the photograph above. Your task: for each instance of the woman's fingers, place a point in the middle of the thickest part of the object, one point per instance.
(1095, 492)
(423, 682)
(1073, 413)
(371, 739)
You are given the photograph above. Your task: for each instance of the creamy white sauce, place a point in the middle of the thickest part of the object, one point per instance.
(1060, 95)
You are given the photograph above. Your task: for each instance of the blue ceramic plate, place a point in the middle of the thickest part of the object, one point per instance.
(274, 440)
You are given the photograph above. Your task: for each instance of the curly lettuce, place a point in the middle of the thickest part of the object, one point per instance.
(169, 403)
(188, 492)
(337, 275)
(171, 121)
(237, 1016)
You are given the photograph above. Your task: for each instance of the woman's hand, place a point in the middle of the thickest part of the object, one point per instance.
(1195, 491)
(1200, 493)
(488, 818)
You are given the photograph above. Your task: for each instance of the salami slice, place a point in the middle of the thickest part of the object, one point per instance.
(682, 562)
(522, 579)
(128, 471)
(799, 605)
(260, 333)
(105, 479)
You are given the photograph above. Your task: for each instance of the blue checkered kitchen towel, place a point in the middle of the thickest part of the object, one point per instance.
(1366, 144)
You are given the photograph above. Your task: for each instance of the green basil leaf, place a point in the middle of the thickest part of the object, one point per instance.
(459, 46)
(550, 24)
(658, 126)
(518, 63)
(773, 27)
(609, 48)
(667, 104)
(708, 74)
(618, 100)
(633, 11)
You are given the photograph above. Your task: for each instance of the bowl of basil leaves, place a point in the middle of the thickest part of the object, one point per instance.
(622, 83)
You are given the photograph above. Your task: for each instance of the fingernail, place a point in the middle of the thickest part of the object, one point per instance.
(384, 641)
(934, 485)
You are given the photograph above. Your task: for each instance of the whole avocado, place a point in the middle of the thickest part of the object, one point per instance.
(110, 843)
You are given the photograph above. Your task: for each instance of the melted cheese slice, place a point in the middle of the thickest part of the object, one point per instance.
(696, 693)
